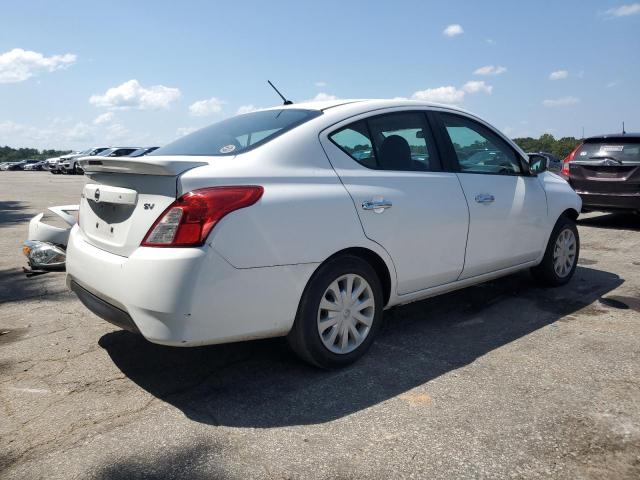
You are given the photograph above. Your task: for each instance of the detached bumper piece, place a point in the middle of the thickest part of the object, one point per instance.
(103, 309)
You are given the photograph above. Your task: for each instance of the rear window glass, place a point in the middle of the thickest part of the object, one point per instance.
(238, 134)
(623, 150)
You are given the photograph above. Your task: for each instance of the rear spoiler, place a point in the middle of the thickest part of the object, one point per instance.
(170, 166)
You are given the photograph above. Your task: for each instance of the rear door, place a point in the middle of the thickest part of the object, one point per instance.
(390, 166)
(607, 166)
(507, 208)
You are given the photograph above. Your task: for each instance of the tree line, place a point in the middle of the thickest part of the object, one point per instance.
(8, 154)
(547, 143)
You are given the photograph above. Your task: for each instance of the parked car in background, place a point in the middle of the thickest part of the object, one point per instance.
(39, 165)
(605, 171)
(143, 151)
(554, 164)
(267, 224)
(51, 164)
(118, 151)
(21, 164)
(69, 163)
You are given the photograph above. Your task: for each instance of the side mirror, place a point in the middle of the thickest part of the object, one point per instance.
(538, 164)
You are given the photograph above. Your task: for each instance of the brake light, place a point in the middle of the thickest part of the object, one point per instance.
(568, 158)
(188, 221)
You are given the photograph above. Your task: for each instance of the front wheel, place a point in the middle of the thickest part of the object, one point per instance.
(339, 314)
(561, 256)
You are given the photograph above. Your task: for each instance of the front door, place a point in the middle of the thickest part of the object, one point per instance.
(507, 207)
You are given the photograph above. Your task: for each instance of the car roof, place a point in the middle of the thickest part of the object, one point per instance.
(615, 135)
(363, 104)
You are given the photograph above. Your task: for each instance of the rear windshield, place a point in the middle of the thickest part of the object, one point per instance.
(624, 150)
(238, 134)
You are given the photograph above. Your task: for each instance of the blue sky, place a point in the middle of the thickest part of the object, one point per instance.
(78, 73)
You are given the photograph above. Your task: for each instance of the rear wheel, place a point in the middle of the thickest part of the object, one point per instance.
(561, 256)
(339, 314)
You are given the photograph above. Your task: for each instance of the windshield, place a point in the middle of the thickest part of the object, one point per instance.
(238, 134)
(621, 150)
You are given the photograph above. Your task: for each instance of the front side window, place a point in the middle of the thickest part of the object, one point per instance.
(396, 141)
(478, 149)
(238, 134)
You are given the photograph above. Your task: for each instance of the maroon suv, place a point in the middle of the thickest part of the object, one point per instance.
(605, 172)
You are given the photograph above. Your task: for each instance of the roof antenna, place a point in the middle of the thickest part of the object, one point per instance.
(623, 132)
(286, 102)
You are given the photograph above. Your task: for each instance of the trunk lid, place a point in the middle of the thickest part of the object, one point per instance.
(123, 197)
(607, 165)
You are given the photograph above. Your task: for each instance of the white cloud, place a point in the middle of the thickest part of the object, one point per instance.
(205, 108)
(58, 134)
(104, 118)
(448, 94)
(560, 102)
(246, 109)
(475, 86)
(18, 65)
(490, 41)
(612, 84)
(182, 131)
(624, 10)
(451, 94)
(490, 70)
(453, 30)
(321, 84)
(321, 97)
(558, 75)
(131, 94)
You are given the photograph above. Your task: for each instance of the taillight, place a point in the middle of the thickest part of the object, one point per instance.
(188, 221)
(568, 158)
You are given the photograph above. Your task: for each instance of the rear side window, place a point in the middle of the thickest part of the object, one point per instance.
(618, 150)
(238, 134)
(397, 141)
(354, 141)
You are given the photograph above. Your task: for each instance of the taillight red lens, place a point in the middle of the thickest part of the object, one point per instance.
(188, 221)
(568, 158)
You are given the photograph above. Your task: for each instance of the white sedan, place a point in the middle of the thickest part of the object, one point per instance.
(308, 220)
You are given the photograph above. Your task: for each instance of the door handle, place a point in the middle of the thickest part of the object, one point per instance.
(485, 198)
(377, 206)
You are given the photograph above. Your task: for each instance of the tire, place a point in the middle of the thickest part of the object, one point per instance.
(552, 272)
(337, 274)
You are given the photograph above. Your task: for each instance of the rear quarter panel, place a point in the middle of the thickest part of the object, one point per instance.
(304, 216)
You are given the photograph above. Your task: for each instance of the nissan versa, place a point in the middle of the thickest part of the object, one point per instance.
(308, 220)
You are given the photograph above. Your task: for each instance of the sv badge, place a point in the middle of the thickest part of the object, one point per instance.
(149, 206)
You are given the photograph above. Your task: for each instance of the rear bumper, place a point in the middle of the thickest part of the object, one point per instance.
(610, 201)
(103, 309)
(185, 296)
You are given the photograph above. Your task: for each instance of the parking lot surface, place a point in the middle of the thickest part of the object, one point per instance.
(502, 380)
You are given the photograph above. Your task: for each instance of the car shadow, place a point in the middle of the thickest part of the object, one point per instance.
(613, 221)
(15, 286)
(13, 212)
(262, 384)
